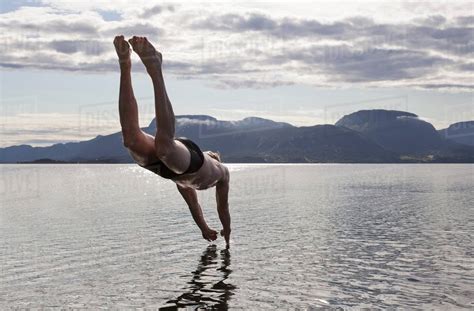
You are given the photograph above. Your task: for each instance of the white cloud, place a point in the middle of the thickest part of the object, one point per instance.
(187, 121)
(264, 44)
(42, 129)
(296, 117)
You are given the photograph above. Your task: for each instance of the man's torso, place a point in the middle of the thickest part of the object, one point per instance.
(207, 176)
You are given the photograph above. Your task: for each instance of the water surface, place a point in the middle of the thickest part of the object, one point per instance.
(304, 237)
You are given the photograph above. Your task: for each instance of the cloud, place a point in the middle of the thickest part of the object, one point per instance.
(48, 128)
(283, 28)
(465, 20)
(138, 28)
(187, 121)
(430, 32)
(235, 48)
(467, 66)
(156, 9)
(446, 86)
(379, 64)
(34, 22)
(91, 47)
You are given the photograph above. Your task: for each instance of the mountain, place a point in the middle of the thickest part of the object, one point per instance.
(461, 132)
(413, 139)
(320, 143)
(397, 131)
(100, 149)
(248, 140)
(366, 136)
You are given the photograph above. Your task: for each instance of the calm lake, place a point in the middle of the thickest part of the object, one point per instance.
(304, 237)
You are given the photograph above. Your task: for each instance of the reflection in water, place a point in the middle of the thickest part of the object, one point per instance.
(207, 287)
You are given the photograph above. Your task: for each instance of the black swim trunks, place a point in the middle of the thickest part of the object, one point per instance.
(197, 160)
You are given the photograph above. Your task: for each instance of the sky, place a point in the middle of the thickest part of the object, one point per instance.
(302, 62)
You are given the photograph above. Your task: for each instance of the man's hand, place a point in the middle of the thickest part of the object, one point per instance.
(209, 234)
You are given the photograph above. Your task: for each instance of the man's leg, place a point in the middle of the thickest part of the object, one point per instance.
(140, 145)
(173, 153)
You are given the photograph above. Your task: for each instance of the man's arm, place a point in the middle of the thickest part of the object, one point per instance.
(190, 196)
(222, 195)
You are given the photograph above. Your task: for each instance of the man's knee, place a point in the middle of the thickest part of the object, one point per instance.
(129, 140)
(130, 136)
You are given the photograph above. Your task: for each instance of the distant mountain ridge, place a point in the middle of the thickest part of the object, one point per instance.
(460, 132)
(397, 131)
(366, 136)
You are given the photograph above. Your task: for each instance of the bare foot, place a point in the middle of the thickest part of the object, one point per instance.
(150, 57)
(123, 50)
(209, 234)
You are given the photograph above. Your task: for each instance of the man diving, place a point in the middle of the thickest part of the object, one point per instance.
(176, 158)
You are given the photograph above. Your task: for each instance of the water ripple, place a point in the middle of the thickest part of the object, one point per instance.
(304, 237)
